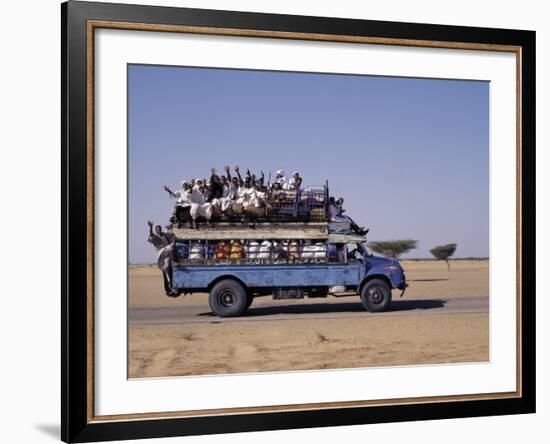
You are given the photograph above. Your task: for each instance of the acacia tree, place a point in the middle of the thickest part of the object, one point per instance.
(393, 248)
(443, 253)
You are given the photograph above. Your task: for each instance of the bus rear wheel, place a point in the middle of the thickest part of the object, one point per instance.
(376, 295)
(228, 298)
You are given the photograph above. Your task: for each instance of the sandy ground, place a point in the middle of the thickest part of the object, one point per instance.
(442, 318)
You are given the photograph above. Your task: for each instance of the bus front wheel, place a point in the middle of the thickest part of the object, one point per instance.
(376, 295)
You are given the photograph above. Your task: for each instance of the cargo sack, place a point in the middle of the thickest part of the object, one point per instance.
(317, 251)
(264, 251)
(222, 250)
(237, 250)
(196, 251)
(252, 250)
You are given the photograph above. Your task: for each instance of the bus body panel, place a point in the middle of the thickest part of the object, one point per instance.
(258, 276)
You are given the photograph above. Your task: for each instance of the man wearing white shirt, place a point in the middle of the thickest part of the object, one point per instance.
(294, 182)
(182, 200)
(280, 178)
(199, 205)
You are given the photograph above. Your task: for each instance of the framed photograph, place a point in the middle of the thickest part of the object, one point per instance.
(275, 221)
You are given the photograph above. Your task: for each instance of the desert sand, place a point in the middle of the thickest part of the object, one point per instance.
(442, 318)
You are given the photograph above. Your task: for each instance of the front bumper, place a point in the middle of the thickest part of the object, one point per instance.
(402, 285)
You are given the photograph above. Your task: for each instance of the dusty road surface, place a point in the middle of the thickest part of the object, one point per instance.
(442, 318)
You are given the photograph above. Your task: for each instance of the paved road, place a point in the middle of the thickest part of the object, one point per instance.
(266, 309)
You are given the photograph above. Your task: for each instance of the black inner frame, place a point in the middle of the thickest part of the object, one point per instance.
(74, 423)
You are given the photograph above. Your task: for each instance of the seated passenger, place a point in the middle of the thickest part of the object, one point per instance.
(224, 201)
(215, 184)
(199, 205)
(294, 182)
(279, 178)
(208, 191)
(336, 211)
(276, 192)
(182, 207)
(181, 196)
(249, 198)
(259, 183)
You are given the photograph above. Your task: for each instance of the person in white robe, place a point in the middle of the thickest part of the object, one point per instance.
(294, 183)
(280, 178)
(224, 201)
(182, 200)
(199, 205)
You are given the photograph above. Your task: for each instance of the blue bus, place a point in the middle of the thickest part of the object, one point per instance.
(235, 264)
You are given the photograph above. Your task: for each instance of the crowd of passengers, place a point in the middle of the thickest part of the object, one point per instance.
(219, 194)
(228, 194)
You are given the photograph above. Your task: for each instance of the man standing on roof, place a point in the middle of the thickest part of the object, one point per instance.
(162, 242)
(199, 205)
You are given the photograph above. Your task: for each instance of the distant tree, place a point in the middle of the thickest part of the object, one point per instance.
(393, 248)
(443, 253)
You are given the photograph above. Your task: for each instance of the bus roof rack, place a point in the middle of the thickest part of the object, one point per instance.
(262, 230)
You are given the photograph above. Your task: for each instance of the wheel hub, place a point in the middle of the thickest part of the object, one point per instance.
(227, 299)
(376, 295)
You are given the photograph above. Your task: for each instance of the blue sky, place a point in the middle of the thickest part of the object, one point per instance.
(410, 156)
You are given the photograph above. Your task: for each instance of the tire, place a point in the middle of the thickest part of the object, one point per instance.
(228, 298)
(376, 295)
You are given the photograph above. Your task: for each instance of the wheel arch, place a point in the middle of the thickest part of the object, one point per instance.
(226, 277)
(370, 277)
